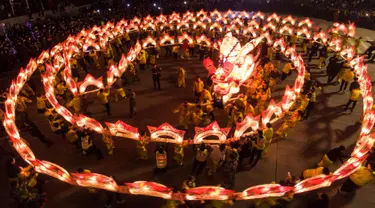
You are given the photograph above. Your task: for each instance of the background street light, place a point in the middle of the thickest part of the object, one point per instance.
(154, 5)
(185, 2)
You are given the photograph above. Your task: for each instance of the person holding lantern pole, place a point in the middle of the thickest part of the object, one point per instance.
(286, 70)
(156, 74)
(175, 51)
(131, 96)
(342, 71)
(322, 57)
(354, 96)
(21, 107)
(161, 160)
(181, 78)
(189, 183)
(308, 173)
(282, 132)
(217, 156)
(332, 156)
(184, 110)
(268, 135)
(141, 148)
(259, 145)
(179, 154)
(347, 77)
(363, 176)
(142, 60)
(196, 115)
(201, 154)
(94, 56)
(198, 87)
(88, 147)
(103, 97)
(75, 103)
(119, 90)
(230, 166)
(108, 141)
(41, 103)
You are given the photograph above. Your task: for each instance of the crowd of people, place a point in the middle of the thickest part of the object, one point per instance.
(274, 68)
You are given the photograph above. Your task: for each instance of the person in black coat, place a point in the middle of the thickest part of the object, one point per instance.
(156, 74)
(354, 85)
(333, 68)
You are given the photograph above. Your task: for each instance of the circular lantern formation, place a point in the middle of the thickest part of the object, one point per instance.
(226, 83)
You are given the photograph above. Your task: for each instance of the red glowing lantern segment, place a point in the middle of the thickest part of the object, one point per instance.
(185, 37)
(208, 193)
(229, 13)
(122, 64)
(123, 130)
(23, 149)
(248, 122)
(203, 40)
(88, 81)
(306, 21)
(52, 170)
(89, 123)
(42, 57)
(289, 19)
(215, 13)
(95, 180)
(267, 190)
(258, 15)
(212, 129)
(150, 189)
(71, 84)
(216, 26)
(244, 14)
(273, 17)
(166, 130)
(149, 41)
(313, 183)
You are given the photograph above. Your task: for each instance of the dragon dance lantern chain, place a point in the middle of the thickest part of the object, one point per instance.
(226, 82)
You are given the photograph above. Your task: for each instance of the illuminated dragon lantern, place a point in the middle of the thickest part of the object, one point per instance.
(235, 66)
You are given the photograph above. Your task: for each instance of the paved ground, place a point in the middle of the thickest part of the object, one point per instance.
(327, 128)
